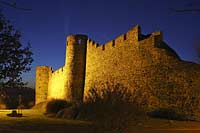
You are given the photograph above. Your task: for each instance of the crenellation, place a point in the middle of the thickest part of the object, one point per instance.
(89, 40)
(147, 41)
(134, 33)
(157, 38)
(113, 43)
(51, 69)
(131, 59)
(90, 43)
(96, 45)
(109, 44)
(125, 37)
(119, 40)
(102, 47)
(93, 42)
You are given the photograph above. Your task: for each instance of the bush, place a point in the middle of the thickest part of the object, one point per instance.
(2, 105)
(68, 113)
(31, 104)
(54, 106)
(10, 97)
(168, 113)
(111, 107)
(176, 102)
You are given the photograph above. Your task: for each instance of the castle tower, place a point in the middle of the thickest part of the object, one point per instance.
(75, 64)
(42, 80)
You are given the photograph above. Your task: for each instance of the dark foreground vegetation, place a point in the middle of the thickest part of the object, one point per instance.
(15, 59)
(113, 107)
(10, 98)
(110, 108)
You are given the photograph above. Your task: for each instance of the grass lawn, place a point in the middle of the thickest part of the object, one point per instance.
(35, 122)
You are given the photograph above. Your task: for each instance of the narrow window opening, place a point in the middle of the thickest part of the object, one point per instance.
(79, 41)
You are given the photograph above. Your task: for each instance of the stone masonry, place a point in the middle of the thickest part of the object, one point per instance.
(132, 59)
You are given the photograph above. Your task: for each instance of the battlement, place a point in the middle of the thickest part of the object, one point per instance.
(92, 43)
(43, 69)
(157, 38)
(129, 59)
(58, 71)
(132, 37)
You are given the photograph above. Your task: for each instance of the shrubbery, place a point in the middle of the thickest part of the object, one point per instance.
(175, 102)
(10, 97)
(2, 105)
(56, 105)
(168, 113)
(168, 90)
(111, 107)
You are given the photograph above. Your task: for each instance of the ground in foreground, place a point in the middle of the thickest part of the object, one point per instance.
(35, 122)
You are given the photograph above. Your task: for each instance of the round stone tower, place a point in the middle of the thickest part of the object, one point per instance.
(75, 65)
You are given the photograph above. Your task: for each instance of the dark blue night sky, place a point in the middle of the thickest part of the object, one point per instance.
(50, 21)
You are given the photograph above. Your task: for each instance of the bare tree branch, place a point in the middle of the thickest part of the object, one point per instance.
(197, 10)
(13, 5)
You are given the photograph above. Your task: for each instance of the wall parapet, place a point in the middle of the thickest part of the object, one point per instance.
(132, 37)
(85, 57)
(157, 38)
(58, 71)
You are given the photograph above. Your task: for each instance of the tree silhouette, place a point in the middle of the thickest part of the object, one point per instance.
(14, 58)
(189, 7)
(13, 5)
(193, 10)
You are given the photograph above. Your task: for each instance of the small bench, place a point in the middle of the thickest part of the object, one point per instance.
(14, 114)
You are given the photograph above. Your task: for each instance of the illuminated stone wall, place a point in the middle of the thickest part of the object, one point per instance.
(68, 81)
(42, 81)
(138, 62)
(75, 66)
(135, 60)
(56, 86)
